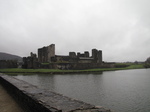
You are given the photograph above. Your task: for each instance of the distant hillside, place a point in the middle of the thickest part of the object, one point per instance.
(6, 56)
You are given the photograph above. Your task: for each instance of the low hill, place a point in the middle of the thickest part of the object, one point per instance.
(6, 56)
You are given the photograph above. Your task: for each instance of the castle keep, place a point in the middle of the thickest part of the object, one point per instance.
(48, 59)
(45, 53)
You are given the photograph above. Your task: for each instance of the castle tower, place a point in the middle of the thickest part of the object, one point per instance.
(94, 54)
(45, 53)
(86, 54)
(97, 55)
(51, 51)
(72, 54)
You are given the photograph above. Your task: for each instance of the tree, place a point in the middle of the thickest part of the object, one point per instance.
(148, 60)
(147, 63)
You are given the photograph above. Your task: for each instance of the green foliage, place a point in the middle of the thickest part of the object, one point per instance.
(121, 65)
(148, 60)
(44, 63)
(147, 65)
(19, 70)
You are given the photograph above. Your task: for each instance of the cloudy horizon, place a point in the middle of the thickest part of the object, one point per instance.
(120, 28)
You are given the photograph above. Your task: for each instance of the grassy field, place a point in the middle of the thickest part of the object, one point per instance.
(55, 71)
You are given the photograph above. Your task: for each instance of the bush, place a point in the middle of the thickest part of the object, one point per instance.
(121, 65)
(147, 65)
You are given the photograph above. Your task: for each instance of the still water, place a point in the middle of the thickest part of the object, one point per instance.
(120, 91)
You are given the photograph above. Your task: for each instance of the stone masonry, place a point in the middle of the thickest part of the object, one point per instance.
(71, 61)
(45, 53)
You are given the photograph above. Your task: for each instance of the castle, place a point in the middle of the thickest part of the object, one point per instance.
(48, 59)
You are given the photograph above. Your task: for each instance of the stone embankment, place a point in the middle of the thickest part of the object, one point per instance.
(34, 99)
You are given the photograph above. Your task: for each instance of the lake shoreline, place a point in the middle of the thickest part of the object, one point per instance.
(57, 71)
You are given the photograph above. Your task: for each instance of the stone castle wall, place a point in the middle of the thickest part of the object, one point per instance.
(45, 53)
(77, 61)
(51, 52)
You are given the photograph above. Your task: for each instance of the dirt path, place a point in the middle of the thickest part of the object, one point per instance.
(7, 103)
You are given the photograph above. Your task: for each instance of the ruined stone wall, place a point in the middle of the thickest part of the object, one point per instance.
(74, 66)
(30, 61)
(42, 55)
(86, 54)
(94, 55)
(78, 54)
(51, 51)
(85, 60)
(97, 55)
(45, 53)
(60, 59)
(72, 55)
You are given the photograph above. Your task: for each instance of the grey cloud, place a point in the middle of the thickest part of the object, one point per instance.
(120, 27)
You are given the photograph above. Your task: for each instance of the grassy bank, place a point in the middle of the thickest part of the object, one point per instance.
(139, 66)
(57, 71)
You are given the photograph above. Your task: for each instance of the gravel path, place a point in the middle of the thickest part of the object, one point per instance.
(7, 103)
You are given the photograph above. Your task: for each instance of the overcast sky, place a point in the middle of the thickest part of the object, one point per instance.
(120, 28)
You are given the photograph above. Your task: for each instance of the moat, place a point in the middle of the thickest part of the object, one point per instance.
(121, 91)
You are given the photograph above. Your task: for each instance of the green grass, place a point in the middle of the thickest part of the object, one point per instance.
(132, 66)
(45, 63)
(29, 70)
(19, 70)
(135, 66)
